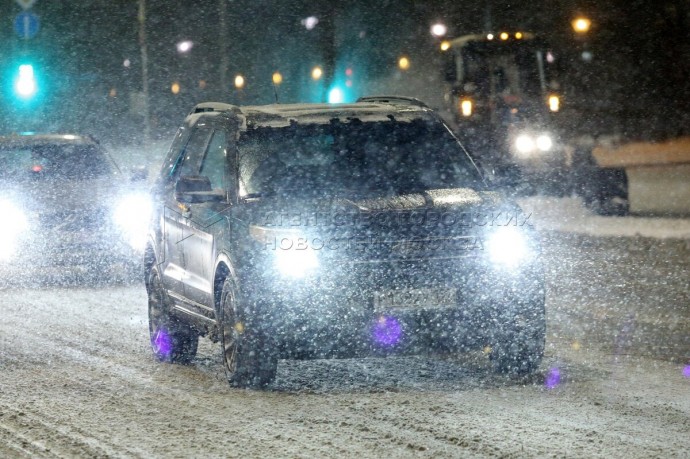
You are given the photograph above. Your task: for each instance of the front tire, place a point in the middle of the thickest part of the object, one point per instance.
(171, 340)
(519, 350)
(249, 356)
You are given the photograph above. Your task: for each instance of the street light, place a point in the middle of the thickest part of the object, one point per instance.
(445, 45)
(404, 63)
(316, 73)
(277, 78)
(439, 30)
(239, 82)
(184, 46)
(581, 25)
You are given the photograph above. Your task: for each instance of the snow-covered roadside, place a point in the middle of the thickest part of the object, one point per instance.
(569, 215)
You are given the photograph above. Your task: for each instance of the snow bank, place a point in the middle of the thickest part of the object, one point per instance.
(569, 215)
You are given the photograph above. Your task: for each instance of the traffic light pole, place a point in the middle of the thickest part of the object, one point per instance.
(143, 47)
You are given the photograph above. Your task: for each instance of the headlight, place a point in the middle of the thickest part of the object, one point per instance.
(292, 254)
(14, 223)
(296, 262)
(544, 142)
(554, 103)
(508, 247)
(466, 107)
(132, 216)
(524, 144)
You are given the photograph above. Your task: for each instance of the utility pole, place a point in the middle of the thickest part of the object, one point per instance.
(223, 46)
(143, 48)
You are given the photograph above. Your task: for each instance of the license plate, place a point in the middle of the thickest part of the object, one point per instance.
(421, 298)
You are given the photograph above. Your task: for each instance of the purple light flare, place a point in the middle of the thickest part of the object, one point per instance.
(686, 371)
(553, 378)
(387, 331)
(162, 343)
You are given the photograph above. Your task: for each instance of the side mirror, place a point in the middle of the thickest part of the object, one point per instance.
(196, 189)
(139, 174)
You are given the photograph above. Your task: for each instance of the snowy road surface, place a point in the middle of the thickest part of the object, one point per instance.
(77, 378)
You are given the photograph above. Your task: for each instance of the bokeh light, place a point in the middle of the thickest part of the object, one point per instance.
(686, 371)
(387, 331)
(239, 81)
(581, 25)
(184, 46)
(277, 78)
(162, 342)
(439, 30)
(553, 378)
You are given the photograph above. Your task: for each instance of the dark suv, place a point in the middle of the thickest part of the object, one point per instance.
(315, 231)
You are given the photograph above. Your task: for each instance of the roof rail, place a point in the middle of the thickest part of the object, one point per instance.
(211, 107)
(393, 100)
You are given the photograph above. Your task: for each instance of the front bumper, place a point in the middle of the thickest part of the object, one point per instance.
(336, 313)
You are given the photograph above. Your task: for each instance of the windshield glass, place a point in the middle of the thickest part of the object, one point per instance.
(509, 70)
(53, 161)
(380, 158)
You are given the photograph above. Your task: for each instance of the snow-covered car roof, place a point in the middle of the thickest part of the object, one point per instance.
(278, 115)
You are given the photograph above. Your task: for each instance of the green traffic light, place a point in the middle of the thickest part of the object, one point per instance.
(25, 84)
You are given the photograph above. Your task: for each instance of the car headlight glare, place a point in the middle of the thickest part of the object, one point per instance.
(14, 223)
(508, 247)
(132, 215)
(296, 262)
(544, 142)
(524, 144)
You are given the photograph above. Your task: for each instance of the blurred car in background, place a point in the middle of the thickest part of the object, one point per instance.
(68, 209)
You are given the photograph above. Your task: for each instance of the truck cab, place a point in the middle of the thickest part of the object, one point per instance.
(503, 99)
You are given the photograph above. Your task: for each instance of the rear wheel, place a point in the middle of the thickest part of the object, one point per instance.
(171, 340)
(249, 356)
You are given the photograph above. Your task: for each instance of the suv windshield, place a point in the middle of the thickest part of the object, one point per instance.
(53, 161)
(373, 158)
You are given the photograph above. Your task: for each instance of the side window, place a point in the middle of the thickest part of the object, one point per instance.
(213, 165)
(189, 162)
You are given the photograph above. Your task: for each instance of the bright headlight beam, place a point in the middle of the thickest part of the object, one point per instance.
(507, 247)
(544, 142)
(296, 262)
(132, 215)
(14, 224)
(524, 144)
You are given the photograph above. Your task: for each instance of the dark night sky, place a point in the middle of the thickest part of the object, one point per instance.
(640, 68)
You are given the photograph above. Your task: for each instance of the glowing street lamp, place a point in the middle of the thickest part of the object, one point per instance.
(439, 30)
(445, 45)
(175, 88)
(184, 46)
(404, 63)
(581, 25)
(316, 73)
(277, 78)
(239, 82)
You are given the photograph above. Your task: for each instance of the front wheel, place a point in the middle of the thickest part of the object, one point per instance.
(171, 340)
(249, 357)
(519, 350)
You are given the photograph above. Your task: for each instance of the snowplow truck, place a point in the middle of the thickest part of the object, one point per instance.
(503, 102)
